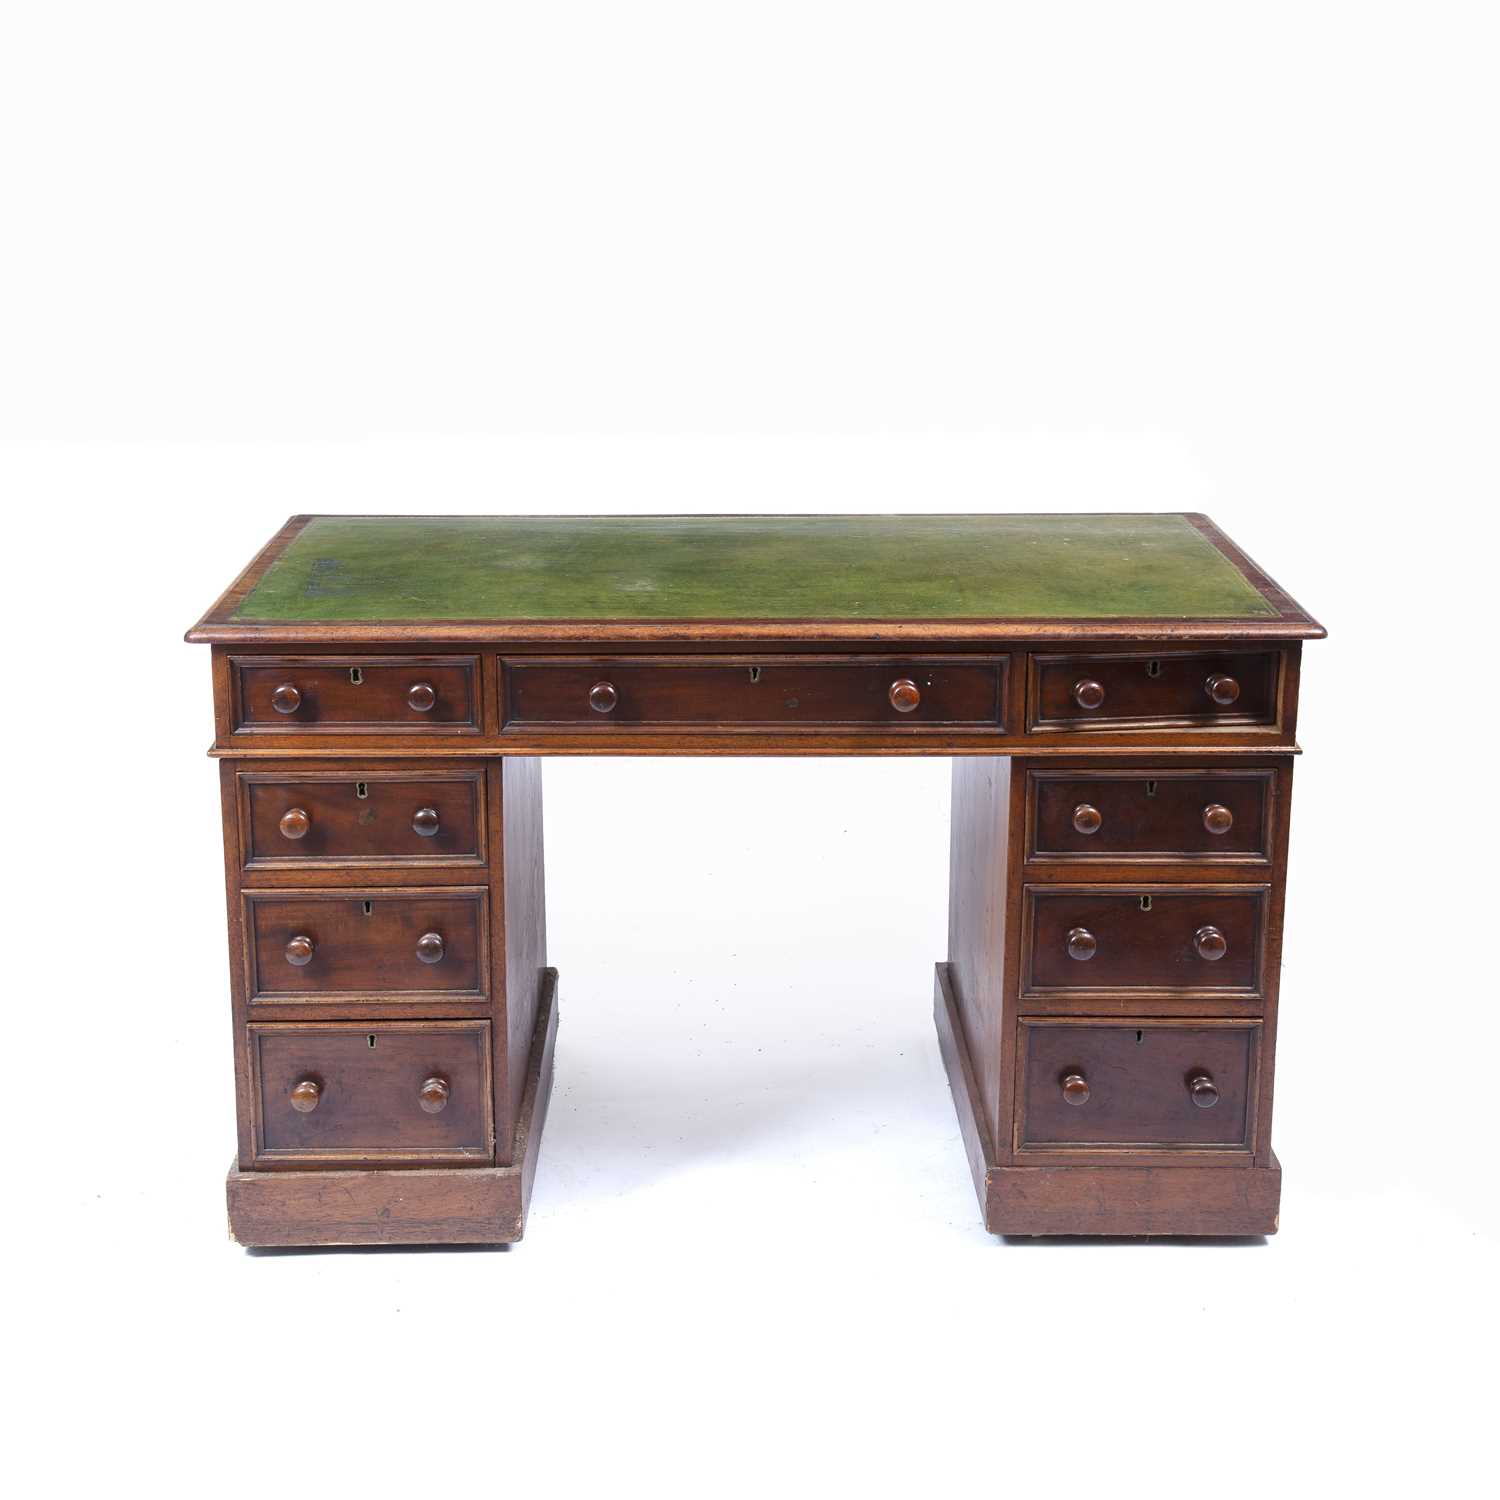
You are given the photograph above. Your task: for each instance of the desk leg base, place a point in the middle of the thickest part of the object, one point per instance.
(1114, 1200)
(441, 1206)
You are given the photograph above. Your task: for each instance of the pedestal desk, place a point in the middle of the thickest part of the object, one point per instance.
(1118, 694)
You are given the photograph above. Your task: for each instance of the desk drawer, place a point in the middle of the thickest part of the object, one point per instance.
(1143, 1086)
(1202, 940)
(316, 945)
(753, 692)
(331, 818)
(1153, 690)
(1149, 815)
(355, 694)
(386, 1092)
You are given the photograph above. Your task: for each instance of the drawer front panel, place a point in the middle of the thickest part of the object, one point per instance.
(1197, 940)
(313, 945)
(1144, 1086)
(417, 1092)
(1150, 815)
(1161, 690)
(708, 693)
(355, 695)
(317, 818)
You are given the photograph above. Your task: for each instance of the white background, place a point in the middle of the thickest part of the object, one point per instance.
(257, 260)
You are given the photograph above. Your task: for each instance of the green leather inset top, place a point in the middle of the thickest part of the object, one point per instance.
(672, 568)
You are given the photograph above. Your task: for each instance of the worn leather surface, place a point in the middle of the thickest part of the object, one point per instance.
(888, 568)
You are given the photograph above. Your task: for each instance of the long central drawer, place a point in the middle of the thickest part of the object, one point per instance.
(713, 692)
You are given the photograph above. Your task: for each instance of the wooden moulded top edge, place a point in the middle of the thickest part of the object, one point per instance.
(218, 627)
(760, 746)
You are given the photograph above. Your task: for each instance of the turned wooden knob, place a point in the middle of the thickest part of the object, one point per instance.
(305, 1095)
(1217, 818)
(286, 698)
(420, 697)
(603, 697)
(1075, 1088)
(1203, 1091)
(434, 1095)
(425, 822)
(1082, 944)
(295, 823)
(1087, 693)
(299, 951)
(905, 695)
(1210, 943)
(430, 947)
(1087, 818)
(1223, 690)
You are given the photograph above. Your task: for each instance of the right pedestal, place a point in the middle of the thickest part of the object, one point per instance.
(1107, 1012)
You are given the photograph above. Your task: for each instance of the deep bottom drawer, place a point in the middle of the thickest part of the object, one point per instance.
(413, 1092)
(1145, 1085)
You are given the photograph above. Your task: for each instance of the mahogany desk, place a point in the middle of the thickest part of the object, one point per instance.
(1119, 694)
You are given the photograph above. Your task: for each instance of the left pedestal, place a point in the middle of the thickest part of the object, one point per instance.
(393, 1014)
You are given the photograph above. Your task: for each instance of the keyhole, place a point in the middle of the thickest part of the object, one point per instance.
(361, 790)
(371, 1038)
(1140, 1037)
(754, 674)
(1145, 903)
(356, 677)
(1153, 669)
(369, 908)
(1150, 788)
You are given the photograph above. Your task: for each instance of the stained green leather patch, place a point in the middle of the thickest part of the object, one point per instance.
(888, 568)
